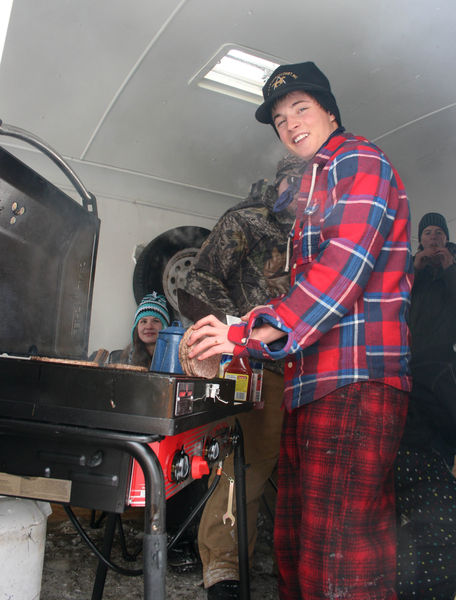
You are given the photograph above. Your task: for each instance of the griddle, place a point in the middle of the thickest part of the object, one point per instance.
(112, 398)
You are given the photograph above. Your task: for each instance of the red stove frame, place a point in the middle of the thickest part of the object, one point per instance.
(183, 458)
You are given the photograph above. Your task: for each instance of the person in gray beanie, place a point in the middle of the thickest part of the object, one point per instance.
(433, 236)
(432, 322)
(425, 485)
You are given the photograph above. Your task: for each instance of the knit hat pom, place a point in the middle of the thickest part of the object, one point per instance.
(152, 305)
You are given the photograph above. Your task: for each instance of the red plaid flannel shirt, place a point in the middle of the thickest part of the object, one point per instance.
(345, 314)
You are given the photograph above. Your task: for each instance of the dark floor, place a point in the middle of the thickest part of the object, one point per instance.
(69, 566)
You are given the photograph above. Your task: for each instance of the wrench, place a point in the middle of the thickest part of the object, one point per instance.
(229, 511)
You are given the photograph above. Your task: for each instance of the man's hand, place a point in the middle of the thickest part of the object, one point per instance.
(445, 257)
(209, 337)
(425, 257)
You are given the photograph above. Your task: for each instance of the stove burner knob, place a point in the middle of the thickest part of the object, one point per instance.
(180, 467)
(200, 467)
(212, 451)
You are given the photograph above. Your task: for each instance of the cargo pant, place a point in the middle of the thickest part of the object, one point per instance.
(261, 429)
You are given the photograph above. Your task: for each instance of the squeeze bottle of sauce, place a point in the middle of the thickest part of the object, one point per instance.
(239, 369)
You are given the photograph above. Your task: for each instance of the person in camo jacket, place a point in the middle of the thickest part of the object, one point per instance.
(242, 264)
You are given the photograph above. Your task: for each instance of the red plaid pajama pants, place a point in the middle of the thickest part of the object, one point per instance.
(335, 534)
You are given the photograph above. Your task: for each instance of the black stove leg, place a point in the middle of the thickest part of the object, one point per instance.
(154, 541)
(100, 578)
(241, 513)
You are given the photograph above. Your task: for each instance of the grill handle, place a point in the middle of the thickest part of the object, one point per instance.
(88, 199)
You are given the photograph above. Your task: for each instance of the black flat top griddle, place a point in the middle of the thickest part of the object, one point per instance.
(112, 398)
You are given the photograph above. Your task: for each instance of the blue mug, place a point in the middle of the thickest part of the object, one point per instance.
(166, 354)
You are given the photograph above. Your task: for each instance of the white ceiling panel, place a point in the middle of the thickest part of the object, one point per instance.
(106, 82)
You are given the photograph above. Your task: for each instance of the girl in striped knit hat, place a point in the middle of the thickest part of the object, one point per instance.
(151, 316)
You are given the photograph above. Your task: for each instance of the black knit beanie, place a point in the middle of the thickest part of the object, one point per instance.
(435, 219)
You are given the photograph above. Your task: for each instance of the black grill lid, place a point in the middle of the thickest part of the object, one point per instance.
(48, 247)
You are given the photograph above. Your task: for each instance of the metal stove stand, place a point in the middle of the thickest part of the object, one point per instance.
(154, 541)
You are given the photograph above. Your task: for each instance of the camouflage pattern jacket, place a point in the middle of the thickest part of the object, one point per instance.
(242, 262)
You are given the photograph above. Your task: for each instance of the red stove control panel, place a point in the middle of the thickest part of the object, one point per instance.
(183, 458)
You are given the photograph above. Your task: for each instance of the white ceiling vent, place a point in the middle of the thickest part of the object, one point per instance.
(238, 72)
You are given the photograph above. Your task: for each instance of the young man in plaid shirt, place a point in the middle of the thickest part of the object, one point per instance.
(342, 329)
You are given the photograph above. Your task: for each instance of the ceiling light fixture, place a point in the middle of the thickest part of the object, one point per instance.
(5, 12)
(238, 72)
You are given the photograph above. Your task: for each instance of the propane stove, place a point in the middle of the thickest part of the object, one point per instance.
(105, 439)
(185, 418)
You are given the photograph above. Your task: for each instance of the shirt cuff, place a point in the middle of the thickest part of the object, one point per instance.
(239, 334)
